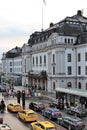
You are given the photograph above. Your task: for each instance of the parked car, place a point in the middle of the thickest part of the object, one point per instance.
(27, 115)
(43, 125)
(71, 123)
(5, 127)
(51, 113)
(36, 106)
(14, 107)
(76, 111)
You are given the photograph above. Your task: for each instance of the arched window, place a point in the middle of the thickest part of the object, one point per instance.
(79, 85)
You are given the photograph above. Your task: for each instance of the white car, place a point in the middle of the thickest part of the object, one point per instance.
(4, 127)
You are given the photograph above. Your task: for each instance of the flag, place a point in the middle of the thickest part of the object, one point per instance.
(44, 2)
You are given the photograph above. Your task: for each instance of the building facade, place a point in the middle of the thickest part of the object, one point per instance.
(12, 66)
(55, 57)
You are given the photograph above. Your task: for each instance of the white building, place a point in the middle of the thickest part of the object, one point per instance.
(55, 57)
(12, 66)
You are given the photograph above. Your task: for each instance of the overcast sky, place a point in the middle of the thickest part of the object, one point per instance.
(20, 18)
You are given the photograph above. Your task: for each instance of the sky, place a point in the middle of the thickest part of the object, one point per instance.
(20, 18)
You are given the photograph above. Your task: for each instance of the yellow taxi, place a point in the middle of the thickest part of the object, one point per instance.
(43, 125)
(28, 115)
(14, 107)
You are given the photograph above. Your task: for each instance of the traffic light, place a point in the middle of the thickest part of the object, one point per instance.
(23, 99)
(18, 96)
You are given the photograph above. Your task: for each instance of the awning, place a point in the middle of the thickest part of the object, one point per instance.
(73, 91)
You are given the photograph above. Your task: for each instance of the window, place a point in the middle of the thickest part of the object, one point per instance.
(10, 69)
(10, 63)
(85, 70)
(71, 40)
(40, 60)
(79, 70)
(69, 57)
(53, 58)
(68, 40)
(53, 70)
(65, 40)
(86, 56)
(69, 70)
(79, 57)
(86, 86)
(36, 60)
(53, 85)
(54, 41)
(44, 60)
(33, 60)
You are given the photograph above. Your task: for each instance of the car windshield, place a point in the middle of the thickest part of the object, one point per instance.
(53, 128)
(31, 114)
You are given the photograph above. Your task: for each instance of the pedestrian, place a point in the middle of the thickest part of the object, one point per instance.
(2, 101)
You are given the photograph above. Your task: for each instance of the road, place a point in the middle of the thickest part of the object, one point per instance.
(14, 122)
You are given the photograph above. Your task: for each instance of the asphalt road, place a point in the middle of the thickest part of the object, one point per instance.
(17, 124)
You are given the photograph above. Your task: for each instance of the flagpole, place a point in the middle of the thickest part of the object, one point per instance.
(42, 15)
(43, 1)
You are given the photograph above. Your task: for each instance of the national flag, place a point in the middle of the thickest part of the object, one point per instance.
(44, 2)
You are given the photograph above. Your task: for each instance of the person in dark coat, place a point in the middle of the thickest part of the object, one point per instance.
(2, 106)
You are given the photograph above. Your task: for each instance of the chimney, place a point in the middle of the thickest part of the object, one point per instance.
(79, 13)
(51, 24)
